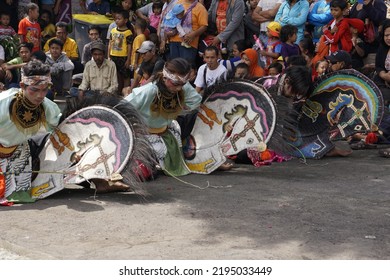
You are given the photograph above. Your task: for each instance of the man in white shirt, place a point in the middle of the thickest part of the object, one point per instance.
(210, 72)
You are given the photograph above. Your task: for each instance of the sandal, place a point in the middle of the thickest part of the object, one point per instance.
(103, 186)
(361, 145)
(384, 153)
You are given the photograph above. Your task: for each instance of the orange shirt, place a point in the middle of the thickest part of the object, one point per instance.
(199, 19)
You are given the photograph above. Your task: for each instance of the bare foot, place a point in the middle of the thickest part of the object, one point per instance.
(104, 186)
(337, 152)
(226, 166)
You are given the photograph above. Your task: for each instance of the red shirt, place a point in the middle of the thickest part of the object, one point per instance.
(31, 33)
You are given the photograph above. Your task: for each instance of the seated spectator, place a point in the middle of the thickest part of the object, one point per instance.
(250, 57)
(149, 56)
(242, 71)
(94, 33)
(230, 64)
(47, 27)
(339, 60)
(99, 74)
(99, 7)
(147, 71)
(211, 72)
(70, 46)
(13, 67)
(61, 67)
(5, 28)
(382, 65)
(275, 69)
(373, 14)
(321, 68)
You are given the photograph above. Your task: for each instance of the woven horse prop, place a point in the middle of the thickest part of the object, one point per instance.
(342, 104)
(108, 145)
(234, 116)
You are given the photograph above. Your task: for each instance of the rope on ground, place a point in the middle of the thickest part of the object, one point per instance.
(196, 186)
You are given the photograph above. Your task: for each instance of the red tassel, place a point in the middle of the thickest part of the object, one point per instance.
(371, 138)
(266, 155)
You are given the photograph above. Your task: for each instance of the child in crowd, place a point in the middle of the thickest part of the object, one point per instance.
(242, 71)
(5, 28)
(274, 47)
(337, 32)
(172, 23)
(155, 15)
(29, 30)
(250, 57)
(114, 11)
(120, 46)
(127, 5)
(288, 35)
(230, 64)
(307, 49)
(275, 69)
(47, 27)
(147, 71)
(321, 69)
(140, 27)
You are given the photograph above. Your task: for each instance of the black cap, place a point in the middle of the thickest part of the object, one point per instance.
(340, 56)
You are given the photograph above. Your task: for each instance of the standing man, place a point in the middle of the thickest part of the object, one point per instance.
(265, 13)
(99, 73)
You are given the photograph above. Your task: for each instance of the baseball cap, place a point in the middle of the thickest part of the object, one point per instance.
(274, 28)
(146, 46)
(340, 56)
(98, 45)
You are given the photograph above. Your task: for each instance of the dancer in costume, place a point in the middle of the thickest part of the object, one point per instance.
(342, 104)
(159, 103)
(23, 113)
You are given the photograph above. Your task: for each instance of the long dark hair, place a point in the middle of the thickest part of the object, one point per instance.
(299, 78)
(386, 24)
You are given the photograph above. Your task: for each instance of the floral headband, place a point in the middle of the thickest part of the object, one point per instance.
(36, 80)
(175, 78)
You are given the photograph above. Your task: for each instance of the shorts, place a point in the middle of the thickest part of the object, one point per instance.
(121, 69)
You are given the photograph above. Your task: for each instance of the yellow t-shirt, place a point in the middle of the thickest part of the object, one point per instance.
(70, 47)
(120, 41)
(138, 40)
(199, 18)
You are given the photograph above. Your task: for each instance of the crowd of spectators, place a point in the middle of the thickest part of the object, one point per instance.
(216, 37)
